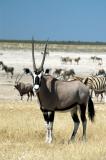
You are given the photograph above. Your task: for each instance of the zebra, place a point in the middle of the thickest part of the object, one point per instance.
(78, 78)
(96, 84)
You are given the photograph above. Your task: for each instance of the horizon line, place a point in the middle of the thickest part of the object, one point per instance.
(53, 41)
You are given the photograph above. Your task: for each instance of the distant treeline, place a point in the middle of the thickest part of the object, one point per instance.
(56, 42)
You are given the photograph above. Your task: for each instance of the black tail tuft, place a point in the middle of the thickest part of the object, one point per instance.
(91, 110)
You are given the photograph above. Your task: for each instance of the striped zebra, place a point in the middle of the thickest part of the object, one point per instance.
(96, 84)
(78, 78)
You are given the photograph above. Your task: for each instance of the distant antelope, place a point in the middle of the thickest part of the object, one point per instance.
(57, 72)
(24, 89)
(98, 59)
(93, 58)
(55, 95)
(67, 73)
(64, 59)
(70, 60)
(1, 63)
(77, 60)
(8, 69)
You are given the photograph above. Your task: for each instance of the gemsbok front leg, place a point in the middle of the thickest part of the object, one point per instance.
(49, 118)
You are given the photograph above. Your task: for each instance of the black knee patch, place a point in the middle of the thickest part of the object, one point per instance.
(75, 118)
(48, 116)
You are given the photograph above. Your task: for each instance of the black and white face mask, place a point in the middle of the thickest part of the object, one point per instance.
(37, 76)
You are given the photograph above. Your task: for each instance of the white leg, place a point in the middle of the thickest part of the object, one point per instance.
(105, 98)
(49, 118)
(49, 136)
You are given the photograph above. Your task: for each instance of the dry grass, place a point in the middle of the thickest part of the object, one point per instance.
(22, 135)
(22, 130)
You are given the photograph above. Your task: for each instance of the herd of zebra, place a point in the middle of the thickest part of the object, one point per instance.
(68, 59)
(96, 84)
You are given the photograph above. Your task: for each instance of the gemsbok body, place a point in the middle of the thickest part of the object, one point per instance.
(55, 95)
(24, 89)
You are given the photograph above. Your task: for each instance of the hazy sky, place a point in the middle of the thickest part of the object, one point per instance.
(83, 20)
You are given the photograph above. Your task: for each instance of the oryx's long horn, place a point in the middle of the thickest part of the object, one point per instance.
(33, 57)
(20, 77)
(17, 78)
(44, 55)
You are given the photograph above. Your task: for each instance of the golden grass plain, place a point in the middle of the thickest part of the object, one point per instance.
(22, 134)
(22, 129)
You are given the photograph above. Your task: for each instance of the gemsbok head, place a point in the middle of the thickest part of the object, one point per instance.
(56, 95)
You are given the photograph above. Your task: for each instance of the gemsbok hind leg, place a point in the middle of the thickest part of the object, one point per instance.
(83, 119)
(28, 95)
(76, 123)
(49, 119)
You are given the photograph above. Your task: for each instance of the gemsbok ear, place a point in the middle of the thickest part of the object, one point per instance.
(27, 70)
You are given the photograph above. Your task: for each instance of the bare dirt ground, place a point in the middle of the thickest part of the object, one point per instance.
(22, 131)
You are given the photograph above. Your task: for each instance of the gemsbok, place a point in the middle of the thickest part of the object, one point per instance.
(56, 95)
(24, 88)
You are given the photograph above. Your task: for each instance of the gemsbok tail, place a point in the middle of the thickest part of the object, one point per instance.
(91, 110)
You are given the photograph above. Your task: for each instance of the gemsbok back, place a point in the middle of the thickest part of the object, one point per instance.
(55, 95)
